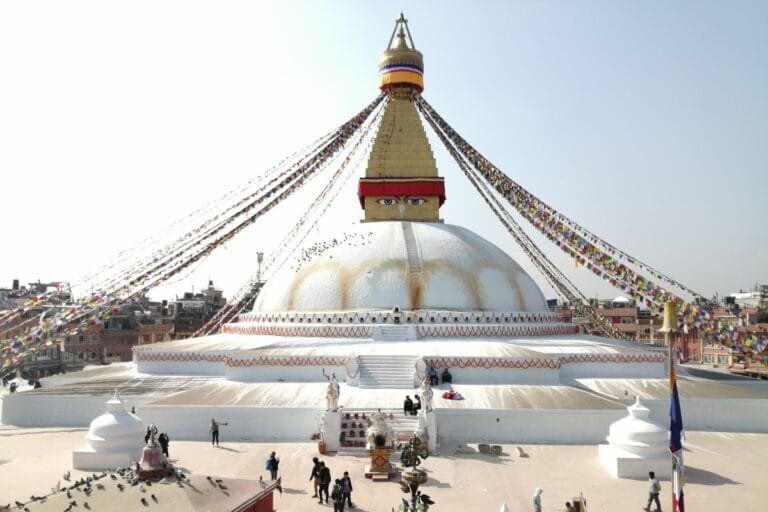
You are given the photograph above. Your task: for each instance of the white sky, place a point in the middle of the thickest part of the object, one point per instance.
(645, 122)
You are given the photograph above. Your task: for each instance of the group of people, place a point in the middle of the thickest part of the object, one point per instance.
(411, 407)
(163, 440)
(341, 493)
(434, 381)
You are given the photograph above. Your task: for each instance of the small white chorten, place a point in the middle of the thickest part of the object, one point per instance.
(115, 439)
(635, 446)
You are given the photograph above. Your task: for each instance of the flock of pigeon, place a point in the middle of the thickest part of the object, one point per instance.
(78, 492)
(316, 250)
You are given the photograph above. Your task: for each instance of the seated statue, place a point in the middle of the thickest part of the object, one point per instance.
(447, 377)
(379, 433)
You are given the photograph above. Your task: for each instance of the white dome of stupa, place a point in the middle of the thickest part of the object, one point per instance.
(637, 435)
(413, 265)
(116, 430)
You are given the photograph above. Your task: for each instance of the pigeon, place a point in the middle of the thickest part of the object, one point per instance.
(120, 486)
(19, 504)
(65, 476)
(100, 486)
(222, 486)
(144, 502)
(112, 476)
(148, 483)
(219, 480)
(69, 494)
(209, 478)
(142, 488)
(154, 498)
(86, 505)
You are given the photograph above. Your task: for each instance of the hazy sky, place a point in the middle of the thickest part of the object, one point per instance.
(646, 122)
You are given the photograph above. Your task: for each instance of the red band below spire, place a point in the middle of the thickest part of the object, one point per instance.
(401, 187)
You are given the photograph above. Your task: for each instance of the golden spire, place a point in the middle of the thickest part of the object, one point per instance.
(401, 181)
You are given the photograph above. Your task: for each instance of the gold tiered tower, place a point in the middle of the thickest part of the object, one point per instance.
(401, 181)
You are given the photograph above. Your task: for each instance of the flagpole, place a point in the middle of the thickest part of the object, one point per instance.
(675, 414)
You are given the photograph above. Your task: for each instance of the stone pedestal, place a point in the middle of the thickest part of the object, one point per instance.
(153, 463)
(428, 423)
(331, 430)
(380, 468)
(635, 446)
(114, 439)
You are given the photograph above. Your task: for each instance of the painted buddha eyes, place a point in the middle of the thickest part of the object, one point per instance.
(411, 201)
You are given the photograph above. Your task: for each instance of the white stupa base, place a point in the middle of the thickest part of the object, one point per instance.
(623, 464)
(88, 459)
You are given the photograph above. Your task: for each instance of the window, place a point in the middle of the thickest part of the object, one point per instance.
(709, 358)
(722, 359)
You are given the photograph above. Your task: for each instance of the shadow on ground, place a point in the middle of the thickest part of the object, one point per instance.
(704, 477)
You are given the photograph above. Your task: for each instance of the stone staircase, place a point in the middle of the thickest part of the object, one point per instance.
(412, 249)
(402, 426)
(387, 371)
(394, 332)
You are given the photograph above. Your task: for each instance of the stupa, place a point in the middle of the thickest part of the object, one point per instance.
(378, 305)
(635, 445)
(115, 439)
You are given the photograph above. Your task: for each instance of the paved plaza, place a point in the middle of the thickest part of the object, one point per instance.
(724, 472)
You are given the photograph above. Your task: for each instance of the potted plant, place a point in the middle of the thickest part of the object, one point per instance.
(321, 446)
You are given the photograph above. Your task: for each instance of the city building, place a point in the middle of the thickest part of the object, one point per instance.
(47, 360)
(139, 323)
(194, 309)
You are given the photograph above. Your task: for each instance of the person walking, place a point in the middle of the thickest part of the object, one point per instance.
(654, 488)
(337, 496)
(346, 490)
(164, 442)
(214, 431)
(314, 475)
(325, 481)
(272, 463)
(537, 499)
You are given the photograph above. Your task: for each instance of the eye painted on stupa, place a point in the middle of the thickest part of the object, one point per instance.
(387, 201)
(416, 201)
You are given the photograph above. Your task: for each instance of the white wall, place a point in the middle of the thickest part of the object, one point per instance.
(287, 373)
(46, 410)
(525, 425)
(244, 423)
(613, 370)
(180, 367)
(498, 376)
(719, 415)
